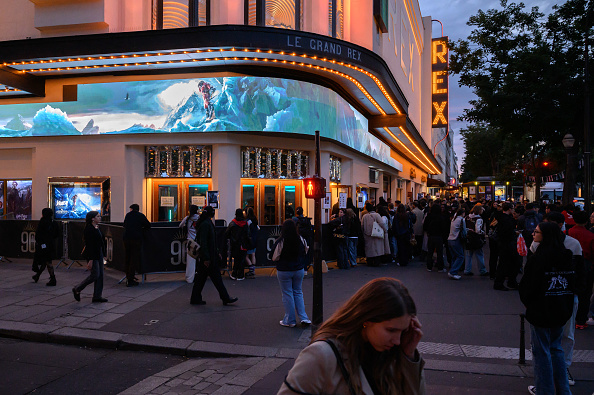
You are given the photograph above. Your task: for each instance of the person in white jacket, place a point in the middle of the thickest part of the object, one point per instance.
(189, 223)
(476, 241)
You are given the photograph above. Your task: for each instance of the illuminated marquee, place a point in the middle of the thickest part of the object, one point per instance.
(439, 82)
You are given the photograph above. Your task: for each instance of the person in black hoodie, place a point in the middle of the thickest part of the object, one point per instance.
(238, 234)
(208, 255)
(93, 253)
(434, 225)
(134, 224)
(547, 291)
(45, 239)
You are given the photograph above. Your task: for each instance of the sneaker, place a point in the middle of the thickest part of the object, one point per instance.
(454, 276)
(429, 270)
(581, 326)
(240, 278)
(305, 322)
(590, 321)
(442, 271)
(281, 322)
(570, 378)
(532, 389)
(232, 278)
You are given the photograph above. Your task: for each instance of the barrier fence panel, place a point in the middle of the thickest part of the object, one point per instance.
(17, 239)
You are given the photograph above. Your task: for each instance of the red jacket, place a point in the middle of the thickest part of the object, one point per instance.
(586, 239)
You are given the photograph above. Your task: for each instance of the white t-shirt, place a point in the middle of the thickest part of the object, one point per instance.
(570, 243)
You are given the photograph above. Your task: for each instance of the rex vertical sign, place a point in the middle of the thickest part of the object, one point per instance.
(439, 82)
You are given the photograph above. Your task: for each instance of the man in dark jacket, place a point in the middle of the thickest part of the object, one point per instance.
(208, 260)
(434, 225)
(134, 223)
(506, 235)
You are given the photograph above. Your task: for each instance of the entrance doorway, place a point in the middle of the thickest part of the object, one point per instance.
(273, 201)
(171, 198)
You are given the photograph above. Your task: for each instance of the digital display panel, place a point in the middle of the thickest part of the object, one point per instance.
(18, 198)
(74, 201)
(222, 104)
(1, 197)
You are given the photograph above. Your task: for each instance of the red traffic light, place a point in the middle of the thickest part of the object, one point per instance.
(545, 164)
(314, 187)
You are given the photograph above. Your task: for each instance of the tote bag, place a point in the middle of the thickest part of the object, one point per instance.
(377, 231)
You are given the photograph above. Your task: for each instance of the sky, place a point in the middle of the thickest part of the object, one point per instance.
(454, 14)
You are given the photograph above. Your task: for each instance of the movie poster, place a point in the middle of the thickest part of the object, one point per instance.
(1, 197)
(213, 199)
(18, 198)
(74, 202)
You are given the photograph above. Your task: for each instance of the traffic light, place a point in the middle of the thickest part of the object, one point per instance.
(315, 187)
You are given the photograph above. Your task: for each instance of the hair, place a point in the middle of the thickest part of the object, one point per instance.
(435, 209)
(383, 211)
(291, 240)
(401, 215)
(135, 207)
(379, 300)
(555, 216)
(350, 213)
(506, 206)
(249, 213)
(369, 207)
(530, 206)
(239, 214)
(580, 217)
(477, 209)
(552, 239)
(47, 213)
(460, 212)
(193, 209)
(89, 217)
(299, 210)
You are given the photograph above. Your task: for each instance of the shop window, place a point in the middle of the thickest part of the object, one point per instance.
(336, 19)
(335, 169)
(19, 195)
(283, 14)
(175, 14)
(374, 176)
(178, 161)
(273, 163)
(74, 197)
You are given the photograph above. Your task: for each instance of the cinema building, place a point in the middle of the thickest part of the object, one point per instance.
(168, 103)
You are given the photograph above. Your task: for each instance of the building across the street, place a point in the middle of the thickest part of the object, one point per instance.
(167, 103)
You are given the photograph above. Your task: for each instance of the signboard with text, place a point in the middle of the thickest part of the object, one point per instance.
(439, 82)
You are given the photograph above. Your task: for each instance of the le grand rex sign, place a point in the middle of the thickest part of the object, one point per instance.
(322, 47)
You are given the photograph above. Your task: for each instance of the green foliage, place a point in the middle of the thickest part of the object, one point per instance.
(527, 74)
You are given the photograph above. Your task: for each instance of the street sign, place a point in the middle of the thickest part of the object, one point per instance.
(315, 187)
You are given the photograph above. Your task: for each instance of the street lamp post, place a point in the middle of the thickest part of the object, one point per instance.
(570, 176)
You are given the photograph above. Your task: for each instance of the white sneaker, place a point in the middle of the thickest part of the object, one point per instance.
(532, 389)
(590, 321)
(287, 325)
(454, 276)
(570, 378)
(305, 322)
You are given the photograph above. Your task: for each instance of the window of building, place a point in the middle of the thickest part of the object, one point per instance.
(175, 14)
(336, 19)
(273, 163)
(283, 14)
(335, 169)
(178, 161)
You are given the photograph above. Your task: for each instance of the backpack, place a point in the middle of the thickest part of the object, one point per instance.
(474, 241)
(304, 227)
(240, 237)
(530, 223)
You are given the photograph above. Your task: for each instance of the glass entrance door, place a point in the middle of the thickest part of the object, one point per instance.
(171, 198)
(167, 201)
(273, 201)
(268, 208)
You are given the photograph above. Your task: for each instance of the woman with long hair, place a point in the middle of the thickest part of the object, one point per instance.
(374, 337)
(290, 255)
(547, 291)
(93, 253)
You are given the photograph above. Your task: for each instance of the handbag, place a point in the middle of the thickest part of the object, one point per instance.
(521, 246)
(193, 248)
(377, 231)
(338, 232)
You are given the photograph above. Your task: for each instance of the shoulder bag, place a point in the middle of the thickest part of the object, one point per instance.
(377, 230)
(193, 248)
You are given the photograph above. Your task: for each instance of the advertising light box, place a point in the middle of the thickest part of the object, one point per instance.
(74, 201)
(18, 198)
(256, 104)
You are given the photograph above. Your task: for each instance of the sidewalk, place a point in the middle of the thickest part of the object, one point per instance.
(467, 327)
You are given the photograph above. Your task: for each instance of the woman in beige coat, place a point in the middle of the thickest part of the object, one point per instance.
(368, 346)
(374, 246)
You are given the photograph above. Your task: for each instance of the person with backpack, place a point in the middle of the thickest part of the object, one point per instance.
(475, 240)
(547, 291)
(238, 234)
(528, 222)
(189, 225)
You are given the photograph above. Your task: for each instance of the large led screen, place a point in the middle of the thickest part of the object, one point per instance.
(199, 105)
(1, 197)
(74, 202)
(19, 198)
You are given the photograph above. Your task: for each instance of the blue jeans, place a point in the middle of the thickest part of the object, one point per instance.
(457, 251)
(95, 276)
(393, 247)
(352, 243)
(568, 340)
(550, 373)
(480, 260)
(292, 294)
(342, 254)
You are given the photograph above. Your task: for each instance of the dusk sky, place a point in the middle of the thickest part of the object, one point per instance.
(454, 14)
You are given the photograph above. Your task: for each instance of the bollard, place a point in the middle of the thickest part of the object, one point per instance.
(522, 360)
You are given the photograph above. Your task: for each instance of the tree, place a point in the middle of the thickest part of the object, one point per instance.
(526, 74)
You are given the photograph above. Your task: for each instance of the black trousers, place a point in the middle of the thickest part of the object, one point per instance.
(238, 262)
(508, 264)
(493, 256)
(403, 242)
(435, 243)
(584, 296)
(132, 257)
(202, 273)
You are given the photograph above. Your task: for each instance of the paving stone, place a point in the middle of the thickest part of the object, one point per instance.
(193, 380)
(91, 325)
(258, 371)
(106, 317)
(230, 390)
(214, 377)
(206, 373)
(174, 382)
(201, 386)
(145, 386)
(66, 321)
(160, 390)
(187, 375)
(228, 378)
(211, 388)
(181, 368)
(127, 307)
